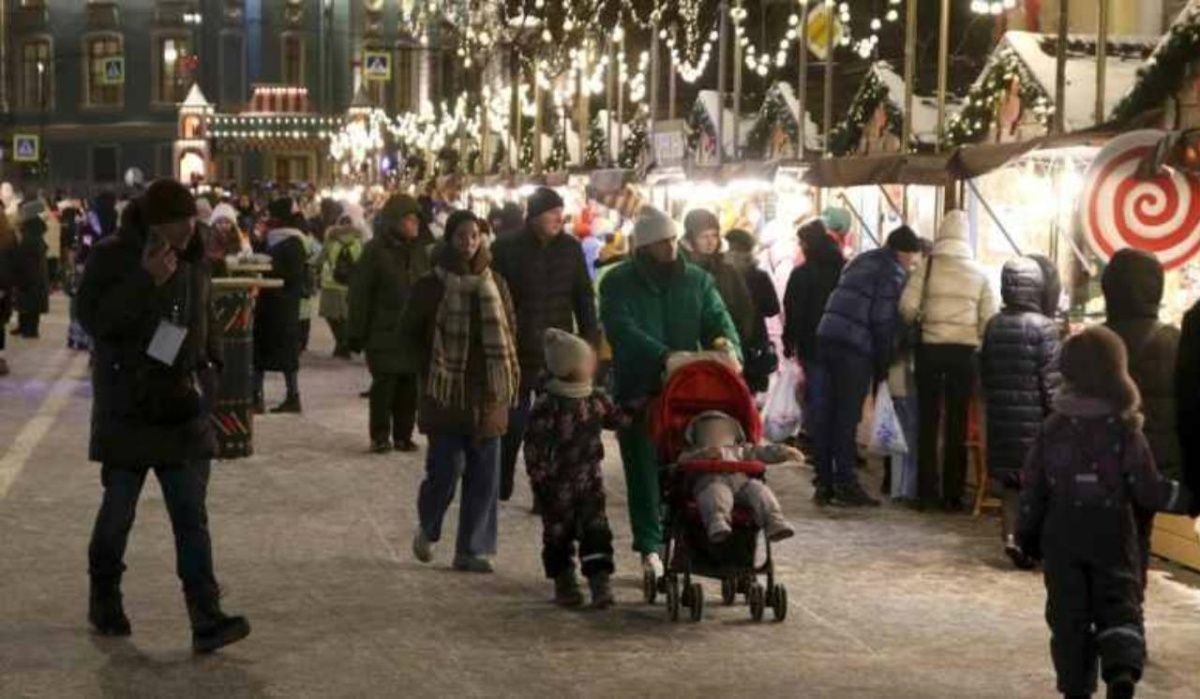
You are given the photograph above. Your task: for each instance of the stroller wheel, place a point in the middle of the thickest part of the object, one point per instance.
(728, 591)
(779, 602)
(757, 597)
(649, 587)
(672, 598)
(697, 599)
(685, 592)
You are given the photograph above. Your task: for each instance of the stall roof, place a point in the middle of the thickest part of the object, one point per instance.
(812, 135)
(924, 116)
(710, 102)
(1160, 75)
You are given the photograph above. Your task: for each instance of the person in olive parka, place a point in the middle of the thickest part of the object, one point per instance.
(380, 289)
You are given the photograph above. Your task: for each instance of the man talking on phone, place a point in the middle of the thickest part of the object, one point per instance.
(144, 298)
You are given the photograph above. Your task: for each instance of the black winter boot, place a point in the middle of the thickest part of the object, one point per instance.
(212, 628)
(566, 589)
(602, 596)
(291, 404)
(1122, 686)
(105, 610)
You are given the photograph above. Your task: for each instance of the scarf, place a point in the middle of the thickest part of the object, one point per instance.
(569, 389)
(447, 383)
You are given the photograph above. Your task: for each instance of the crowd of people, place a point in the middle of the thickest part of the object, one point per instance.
(496, 337)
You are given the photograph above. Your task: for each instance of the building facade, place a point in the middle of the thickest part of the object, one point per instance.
(98, 83)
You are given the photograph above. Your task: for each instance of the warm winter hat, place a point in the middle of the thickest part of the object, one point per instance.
(167, 201)
(224, 211)
(699, 220)
(565, 353)
(204, 210)
(396, 208)
(1132, 284)
(903, 239)
(741, 241)
(809, 230)
(1094, 364)
(282, 208)
(694, 426)
(30, 210)
(507, 219)
(542, 200)
(457, 219)
(651, 227)
(836, 219)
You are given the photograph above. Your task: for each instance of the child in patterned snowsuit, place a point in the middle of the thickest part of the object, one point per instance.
(563, 455)
(717, 436)
(1088, 467)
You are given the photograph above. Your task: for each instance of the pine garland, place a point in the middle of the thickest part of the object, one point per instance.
(634, 146)
(979, 110)
(773, 112)
(871, 93)
(698, 120)
(1159, 78)
(597, 145)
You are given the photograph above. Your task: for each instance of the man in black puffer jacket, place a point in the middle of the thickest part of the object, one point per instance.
(1133, 291)
(1019, 368)
(547, 276)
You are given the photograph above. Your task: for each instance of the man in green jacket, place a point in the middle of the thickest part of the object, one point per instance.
(651, 307)
(380, 288)
(343, 247)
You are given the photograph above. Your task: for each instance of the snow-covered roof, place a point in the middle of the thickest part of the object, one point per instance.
(1147, 88)
(195, 98)
(710, 101)
(812, 136)
(924, 116)
(1038, 53)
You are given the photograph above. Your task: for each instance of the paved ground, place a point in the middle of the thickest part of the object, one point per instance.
(311, 541)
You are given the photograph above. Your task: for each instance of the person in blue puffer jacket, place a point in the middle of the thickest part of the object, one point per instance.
(855, 342)
(1019, 368)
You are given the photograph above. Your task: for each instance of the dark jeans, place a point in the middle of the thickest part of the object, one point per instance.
(184, 488)
(291, 380)
(476, 462)
(944, 373)
(337, 326)
(838, 381)
(393, 407)
(305, 332)
(28, 324)
(511, 444)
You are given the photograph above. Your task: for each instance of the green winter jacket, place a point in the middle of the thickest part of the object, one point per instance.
(645, 320)
(338, 239)
(380, 289)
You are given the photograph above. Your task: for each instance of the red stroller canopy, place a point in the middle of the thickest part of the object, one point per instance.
(693, 389)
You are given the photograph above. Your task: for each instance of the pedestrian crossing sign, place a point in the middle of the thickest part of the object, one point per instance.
(377, 65)
(26, 148)
(113, 70)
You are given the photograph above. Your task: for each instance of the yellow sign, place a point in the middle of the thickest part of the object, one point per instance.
(816, 31)
(377, 65)
(26, 147)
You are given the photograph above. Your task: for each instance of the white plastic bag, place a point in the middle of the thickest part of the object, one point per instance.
(887, 434)
(782, 412)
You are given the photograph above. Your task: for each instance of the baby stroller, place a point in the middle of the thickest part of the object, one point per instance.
(692, 389)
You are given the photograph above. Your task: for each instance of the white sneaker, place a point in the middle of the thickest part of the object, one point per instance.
(422, 547)
(652, 562)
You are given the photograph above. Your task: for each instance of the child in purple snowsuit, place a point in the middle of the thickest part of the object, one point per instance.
(1089, 465)
(563, 456)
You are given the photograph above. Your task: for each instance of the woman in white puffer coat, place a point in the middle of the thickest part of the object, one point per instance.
(953, 313)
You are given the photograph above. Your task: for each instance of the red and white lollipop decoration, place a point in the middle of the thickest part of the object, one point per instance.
(1119, 210)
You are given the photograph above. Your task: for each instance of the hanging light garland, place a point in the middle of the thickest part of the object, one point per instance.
(992, 7)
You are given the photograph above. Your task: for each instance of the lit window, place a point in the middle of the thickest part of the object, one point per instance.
(175, 60)
(101, 90)
(35, 76)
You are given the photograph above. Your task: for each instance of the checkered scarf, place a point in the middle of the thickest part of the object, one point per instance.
(447, 381)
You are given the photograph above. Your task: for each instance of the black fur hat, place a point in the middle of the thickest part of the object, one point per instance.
(1094, 364)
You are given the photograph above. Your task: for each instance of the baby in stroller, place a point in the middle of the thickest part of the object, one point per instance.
(714, 436)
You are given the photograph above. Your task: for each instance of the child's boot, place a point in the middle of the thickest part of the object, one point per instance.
(1121, 686)
(566, 589)
(779, 529)
(602, 596)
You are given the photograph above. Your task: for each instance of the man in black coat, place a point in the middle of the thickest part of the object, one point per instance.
(547, 276)
(32, 270)
(1187, 402)
(144, 299)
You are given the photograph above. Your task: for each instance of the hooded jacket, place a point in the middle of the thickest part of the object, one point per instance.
(861, 315)
(1019, 368)
(808, 289)
(277, 314)
(960, 301)
(32, 270)
(380, 289)
(1133, 291)
(120, 307)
